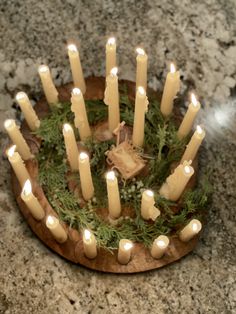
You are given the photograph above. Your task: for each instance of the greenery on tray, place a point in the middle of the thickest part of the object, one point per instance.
(162, 148)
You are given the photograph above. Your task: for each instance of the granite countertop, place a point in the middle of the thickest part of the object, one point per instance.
(201, 37)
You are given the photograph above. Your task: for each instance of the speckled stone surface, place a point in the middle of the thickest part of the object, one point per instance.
(201, 37)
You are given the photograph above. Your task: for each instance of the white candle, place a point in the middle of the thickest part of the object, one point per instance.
(76, 68)
(31, 201)
(28, 111)
(141, 106)
(56, 229)
(175, 184)
(90, 244)
(147, 203)
(171, 88)
(194, 144)
(159, 246)
(18, 165)
(113, 194)
(49, 88)
(85, 176)
(141, 70)
(81, 119)
(110, 55)
(124, 251)
(71, 146)
(189, 231)
(189, 117)
(111, 99)
(18, 139)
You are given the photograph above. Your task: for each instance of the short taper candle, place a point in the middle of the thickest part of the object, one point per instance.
(76, 68)
(189, 231)
(159, 246)
(85, 176)
(56, 229)
(49, 88)
(89, 243)
(71, 146)
(124, 251)
(113, 194)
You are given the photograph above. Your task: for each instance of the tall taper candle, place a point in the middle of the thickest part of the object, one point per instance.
(159, 246)
(188, 120)
(110, 55)
(111, 99)
(18, 165)
(189, 231)
(71, 146)
(28, 111)
(124, 251)
(81, 119)
(56, 229)
(49, 88)
(90, 244)
(31, 201)
(171, 88)
(176, 182)
(76, 68)
(113, 194)
(141, 106)
(141, 70)
(85, 176)
(194, 144)
(18, 139)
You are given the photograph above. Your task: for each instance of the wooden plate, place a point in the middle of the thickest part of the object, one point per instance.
(72, 249)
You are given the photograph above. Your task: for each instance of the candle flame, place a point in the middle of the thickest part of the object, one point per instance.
(111, 41)
(43, 68)
(11, 151)
(83, 156)
(199, 129)
(149, 193)
(187, 169)
(51, 220)
(20, 96)
(195, 227)
(140, 51)
(141, 90)
(76, 91)
(9, 123)
(114, 71)
(110, 175)
(72, 48)
(194, 100)
(172, 68)
(67, 127)
(27, 188)
(161, 243)
(128, 246)
(87, 234)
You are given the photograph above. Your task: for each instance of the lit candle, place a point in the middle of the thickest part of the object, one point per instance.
(172, 86)
(28, 111)
(159, 246)
(31, 201)
(56, 229)
(148, 210)
(176, 182)
(110, 55)
(71, 146)
(124, 251)
(49, 88)
(113, 193)
(18, 139)
(76, 68)
(194, 144)
(86, 180)
(141, 70)
(18, 165)
(141, 106)
(188, 120)
(81, 119)
(189, 231)
(111, 99)
(90, 244)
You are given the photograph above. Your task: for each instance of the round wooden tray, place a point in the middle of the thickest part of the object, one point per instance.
(72, 249)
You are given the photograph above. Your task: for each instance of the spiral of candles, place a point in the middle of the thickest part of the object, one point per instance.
(79, 161)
